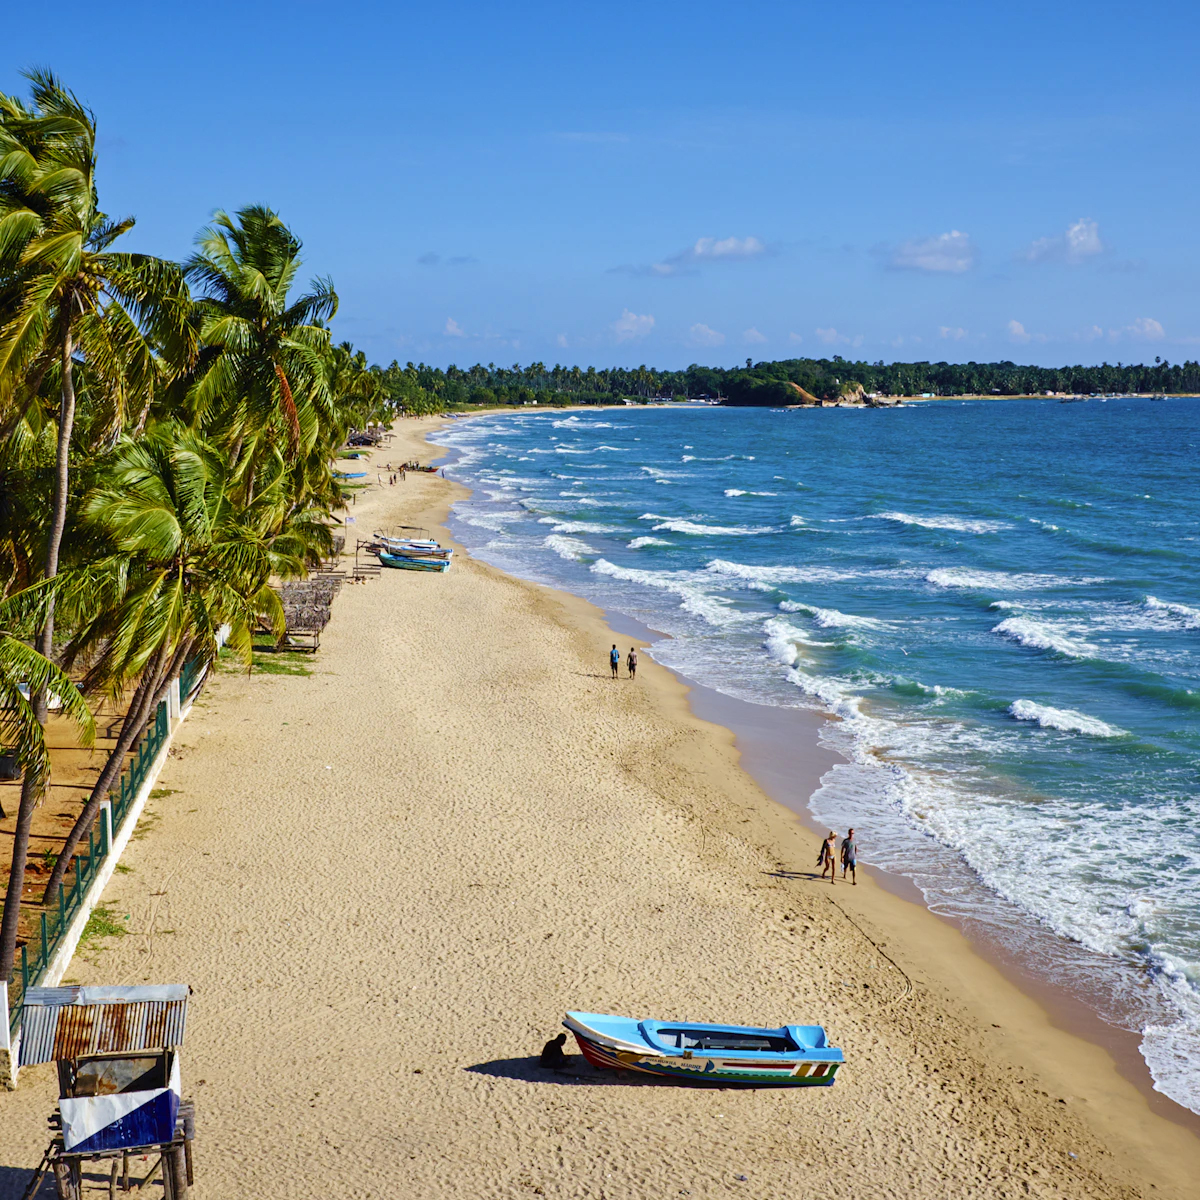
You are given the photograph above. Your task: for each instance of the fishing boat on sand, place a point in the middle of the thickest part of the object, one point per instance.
(415, 562)
(791, 1056)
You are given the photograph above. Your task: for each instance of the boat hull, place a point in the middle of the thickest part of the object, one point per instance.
(798, 1068)
(399, 562)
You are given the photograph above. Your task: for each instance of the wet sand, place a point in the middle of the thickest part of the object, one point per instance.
(387, 880)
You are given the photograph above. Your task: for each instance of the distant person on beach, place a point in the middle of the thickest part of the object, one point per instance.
(827, 859)
(552, 1053)
(631, 662)
(850, 856)
(614, 660)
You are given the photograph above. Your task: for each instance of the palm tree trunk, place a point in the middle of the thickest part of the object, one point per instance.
(33, 785)
(147, 698)
(62, 467)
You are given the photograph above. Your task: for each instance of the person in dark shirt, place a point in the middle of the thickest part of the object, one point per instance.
(850, 856)
(552, 1053)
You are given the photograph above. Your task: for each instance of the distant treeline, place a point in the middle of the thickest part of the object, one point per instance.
(418, 388)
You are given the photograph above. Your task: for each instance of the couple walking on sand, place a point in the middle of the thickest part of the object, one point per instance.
(827, 859)
(614, 661)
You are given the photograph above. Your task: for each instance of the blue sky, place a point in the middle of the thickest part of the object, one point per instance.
(670, 183)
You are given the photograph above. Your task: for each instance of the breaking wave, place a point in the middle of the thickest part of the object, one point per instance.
(1065, 719)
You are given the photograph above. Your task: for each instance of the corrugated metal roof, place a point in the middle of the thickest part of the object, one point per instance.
(68, 1022)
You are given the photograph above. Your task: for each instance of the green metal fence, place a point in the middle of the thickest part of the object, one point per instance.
(35, 955)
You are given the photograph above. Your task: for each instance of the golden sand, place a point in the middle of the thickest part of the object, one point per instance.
(386, 881)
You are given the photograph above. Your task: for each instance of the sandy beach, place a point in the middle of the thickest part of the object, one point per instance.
(387, 880)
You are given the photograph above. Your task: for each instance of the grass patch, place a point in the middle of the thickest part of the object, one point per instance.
(283, 663)
(145, 825)
(103, 923)
(160, 793)
(268, 660)
(122, 869)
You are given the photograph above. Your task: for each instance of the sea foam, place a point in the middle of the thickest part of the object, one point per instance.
(1001, 581)
(1040, 635)
(1065, 719)
(675, 525)
(1189, 617)
(712, 609)
(569, 547)
(955, 524)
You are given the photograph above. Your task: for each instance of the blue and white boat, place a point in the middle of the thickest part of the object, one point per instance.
(790, 1056)
(414, 562)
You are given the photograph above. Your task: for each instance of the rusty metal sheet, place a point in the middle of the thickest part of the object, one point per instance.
(69, 1022)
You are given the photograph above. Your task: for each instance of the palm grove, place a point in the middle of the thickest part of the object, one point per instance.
(167, 439)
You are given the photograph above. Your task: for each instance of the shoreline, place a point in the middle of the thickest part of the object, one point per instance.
(1066, 1013)
(386, 881)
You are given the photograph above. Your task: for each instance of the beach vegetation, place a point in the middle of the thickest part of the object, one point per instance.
(168, 435)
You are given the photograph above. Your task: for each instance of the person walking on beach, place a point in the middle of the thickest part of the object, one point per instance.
(614, 660)
(631, 662)
(827, 859)
(850, 856)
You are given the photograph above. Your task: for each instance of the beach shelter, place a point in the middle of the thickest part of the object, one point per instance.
(118, 1062)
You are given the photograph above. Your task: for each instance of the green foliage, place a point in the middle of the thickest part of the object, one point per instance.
(421, 390)
(103, 923)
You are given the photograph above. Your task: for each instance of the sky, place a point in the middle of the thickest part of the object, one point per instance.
(669, 183)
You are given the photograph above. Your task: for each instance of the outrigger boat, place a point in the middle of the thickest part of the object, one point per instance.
(791, 1056)
(414, 562)
(405, 546)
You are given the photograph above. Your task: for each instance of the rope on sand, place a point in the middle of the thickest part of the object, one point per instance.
(908, 983)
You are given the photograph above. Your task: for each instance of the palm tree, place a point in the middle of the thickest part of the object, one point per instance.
(194, 560)
(25, 673)
(67, 299)
(65, 294)
(262, 366)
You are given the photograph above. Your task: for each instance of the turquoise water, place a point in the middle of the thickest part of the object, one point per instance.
(999, 599)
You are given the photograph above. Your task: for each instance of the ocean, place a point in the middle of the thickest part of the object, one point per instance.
(999, 599)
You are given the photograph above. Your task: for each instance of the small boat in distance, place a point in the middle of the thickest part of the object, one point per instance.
(421, 546)
(791, 1056)
(414, 562)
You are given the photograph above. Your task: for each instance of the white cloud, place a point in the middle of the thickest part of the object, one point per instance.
(831, 337)
(951, 253)
(632, 325)
(703, 250)
(701, 335)
(1080, 242)
(561, 341)
(454, 329)
(1018, 333)
(795, 339)
(752, 337)
(952, 333)
(730, 247)
(1144, 329)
